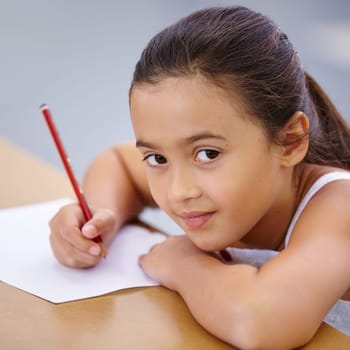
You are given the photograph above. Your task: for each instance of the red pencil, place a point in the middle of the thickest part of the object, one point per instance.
(65, 160)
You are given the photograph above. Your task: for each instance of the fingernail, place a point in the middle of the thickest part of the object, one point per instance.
(94, 250)
(89, 230)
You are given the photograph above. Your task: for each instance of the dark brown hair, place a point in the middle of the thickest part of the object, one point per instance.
(235, 47)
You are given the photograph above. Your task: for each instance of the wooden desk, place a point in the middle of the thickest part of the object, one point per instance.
(152, 318)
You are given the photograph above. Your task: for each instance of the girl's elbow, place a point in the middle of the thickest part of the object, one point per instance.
(248, 335)
(258, 333)
(259, 339)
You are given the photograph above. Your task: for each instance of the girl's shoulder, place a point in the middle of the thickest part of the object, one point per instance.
(322, 179)
(324, 201)
(320, 229)
(313, 173)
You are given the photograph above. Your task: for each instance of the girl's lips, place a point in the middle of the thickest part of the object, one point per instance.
(196, 219)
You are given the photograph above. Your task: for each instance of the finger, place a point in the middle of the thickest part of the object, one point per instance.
(143, 263)
(102, 222)
(71, 236)
(65, 227)
(69, 215)
(71, 256)
(140, 260)
(154, 247)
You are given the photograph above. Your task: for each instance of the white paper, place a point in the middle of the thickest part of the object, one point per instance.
(27, 261)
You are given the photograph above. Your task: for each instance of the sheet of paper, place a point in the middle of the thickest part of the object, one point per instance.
(27, 262)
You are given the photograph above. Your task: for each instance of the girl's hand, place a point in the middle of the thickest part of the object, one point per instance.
(162, 262)
(72, 240)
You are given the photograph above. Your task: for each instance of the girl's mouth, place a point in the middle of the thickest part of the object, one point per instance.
(195, 219)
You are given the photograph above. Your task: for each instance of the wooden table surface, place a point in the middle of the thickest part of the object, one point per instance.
(151, 318)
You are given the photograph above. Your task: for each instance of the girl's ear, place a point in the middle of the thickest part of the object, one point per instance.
(294, 138)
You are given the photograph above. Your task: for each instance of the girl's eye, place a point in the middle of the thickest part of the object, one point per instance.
(207, 155)
(154, 159)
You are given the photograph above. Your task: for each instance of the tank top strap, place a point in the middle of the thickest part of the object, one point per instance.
(316, 186)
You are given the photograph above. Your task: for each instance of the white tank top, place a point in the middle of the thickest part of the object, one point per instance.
(339, 315)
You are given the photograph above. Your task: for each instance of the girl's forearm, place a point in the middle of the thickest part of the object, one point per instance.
(107, 184)
(231, 303)
(228, 315)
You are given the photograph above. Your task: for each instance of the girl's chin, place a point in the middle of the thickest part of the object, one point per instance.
(206, 245)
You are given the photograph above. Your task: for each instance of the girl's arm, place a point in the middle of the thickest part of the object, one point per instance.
(280, 305)
(116, 189)
(116, 180)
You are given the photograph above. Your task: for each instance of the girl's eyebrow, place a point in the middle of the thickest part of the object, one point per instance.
(203, 135)
(140, 143)
(187, 140)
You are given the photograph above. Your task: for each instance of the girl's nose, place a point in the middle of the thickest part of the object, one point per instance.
(183, 186)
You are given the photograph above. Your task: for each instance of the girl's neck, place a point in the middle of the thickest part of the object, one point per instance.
(270, 231)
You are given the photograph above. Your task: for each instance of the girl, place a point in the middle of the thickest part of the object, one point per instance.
(242, 148)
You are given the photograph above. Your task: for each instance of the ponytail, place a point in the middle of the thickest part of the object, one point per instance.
(330, 141)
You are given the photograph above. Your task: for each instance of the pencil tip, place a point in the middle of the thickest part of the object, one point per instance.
(42, 106)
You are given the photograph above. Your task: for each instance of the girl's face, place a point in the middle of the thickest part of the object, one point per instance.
(209, 167)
